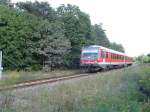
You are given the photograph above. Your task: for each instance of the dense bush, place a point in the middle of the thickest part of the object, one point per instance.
(144, 81)
(143, 58)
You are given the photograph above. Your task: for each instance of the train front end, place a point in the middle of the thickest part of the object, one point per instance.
(89, 58)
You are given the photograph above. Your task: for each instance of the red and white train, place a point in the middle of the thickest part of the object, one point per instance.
(96, 57)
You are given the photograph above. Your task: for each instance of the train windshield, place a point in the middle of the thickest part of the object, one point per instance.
(89, 55)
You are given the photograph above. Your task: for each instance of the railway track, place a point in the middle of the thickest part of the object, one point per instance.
(42, 81)
(46, 80)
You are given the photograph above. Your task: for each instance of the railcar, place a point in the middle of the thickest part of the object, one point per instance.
(95, 57)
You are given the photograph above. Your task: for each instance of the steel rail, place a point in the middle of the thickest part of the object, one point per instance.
(41, 81)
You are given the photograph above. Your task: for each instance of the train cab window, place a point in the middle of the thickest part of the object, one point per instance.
(90, 55)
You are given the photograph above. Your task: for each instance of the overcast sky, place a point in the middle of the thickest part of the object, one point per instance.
(125, 21)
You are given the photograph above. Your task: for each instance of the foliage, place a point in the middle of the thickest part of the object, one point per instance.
(26, 34)
(77, 27)
(39, 9)
(100, 36)
(50, 44)
(117, 47)
(143, 58)
(145, 79)
(14, 38)
(4, 2)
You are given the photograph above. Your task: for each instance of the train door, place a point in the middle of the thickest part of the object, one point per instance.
(108, 57)
(103, 56)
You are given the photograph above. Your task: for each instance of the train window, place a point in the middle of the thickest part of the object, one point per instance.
(103, 54)
(89, 55)
(106, 54)
(112, 56)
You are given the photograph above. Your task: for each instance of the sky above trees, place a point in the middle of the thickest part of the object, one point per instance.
(125, 21)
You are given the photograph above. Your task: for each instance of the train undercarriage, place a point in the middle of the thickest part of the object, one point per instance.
(100, 67)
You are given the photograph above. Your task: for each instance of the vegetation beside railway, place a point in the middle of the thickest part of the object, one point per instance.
(123, 90)
(15, 77)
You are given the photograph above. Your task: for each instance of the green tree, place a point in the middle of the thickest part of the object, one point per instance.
(14, 37)
(117, 47)
(99, 36)
(77, 26)
(50, 44)
(4, 2)
(39, 9)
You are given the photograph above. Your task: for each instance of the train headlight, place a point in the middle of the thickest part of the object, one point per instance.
(94, 62)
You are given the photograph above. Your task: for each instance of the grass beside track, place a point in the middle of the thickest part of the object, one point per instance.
(13, 77)
(124, 90)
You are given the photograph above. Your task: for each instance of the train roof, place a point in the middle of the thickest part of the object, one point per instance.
(108, 49)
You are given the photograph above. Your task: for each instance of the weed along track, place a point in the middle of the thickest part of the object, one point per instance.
(49, 80)
(42, 81)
